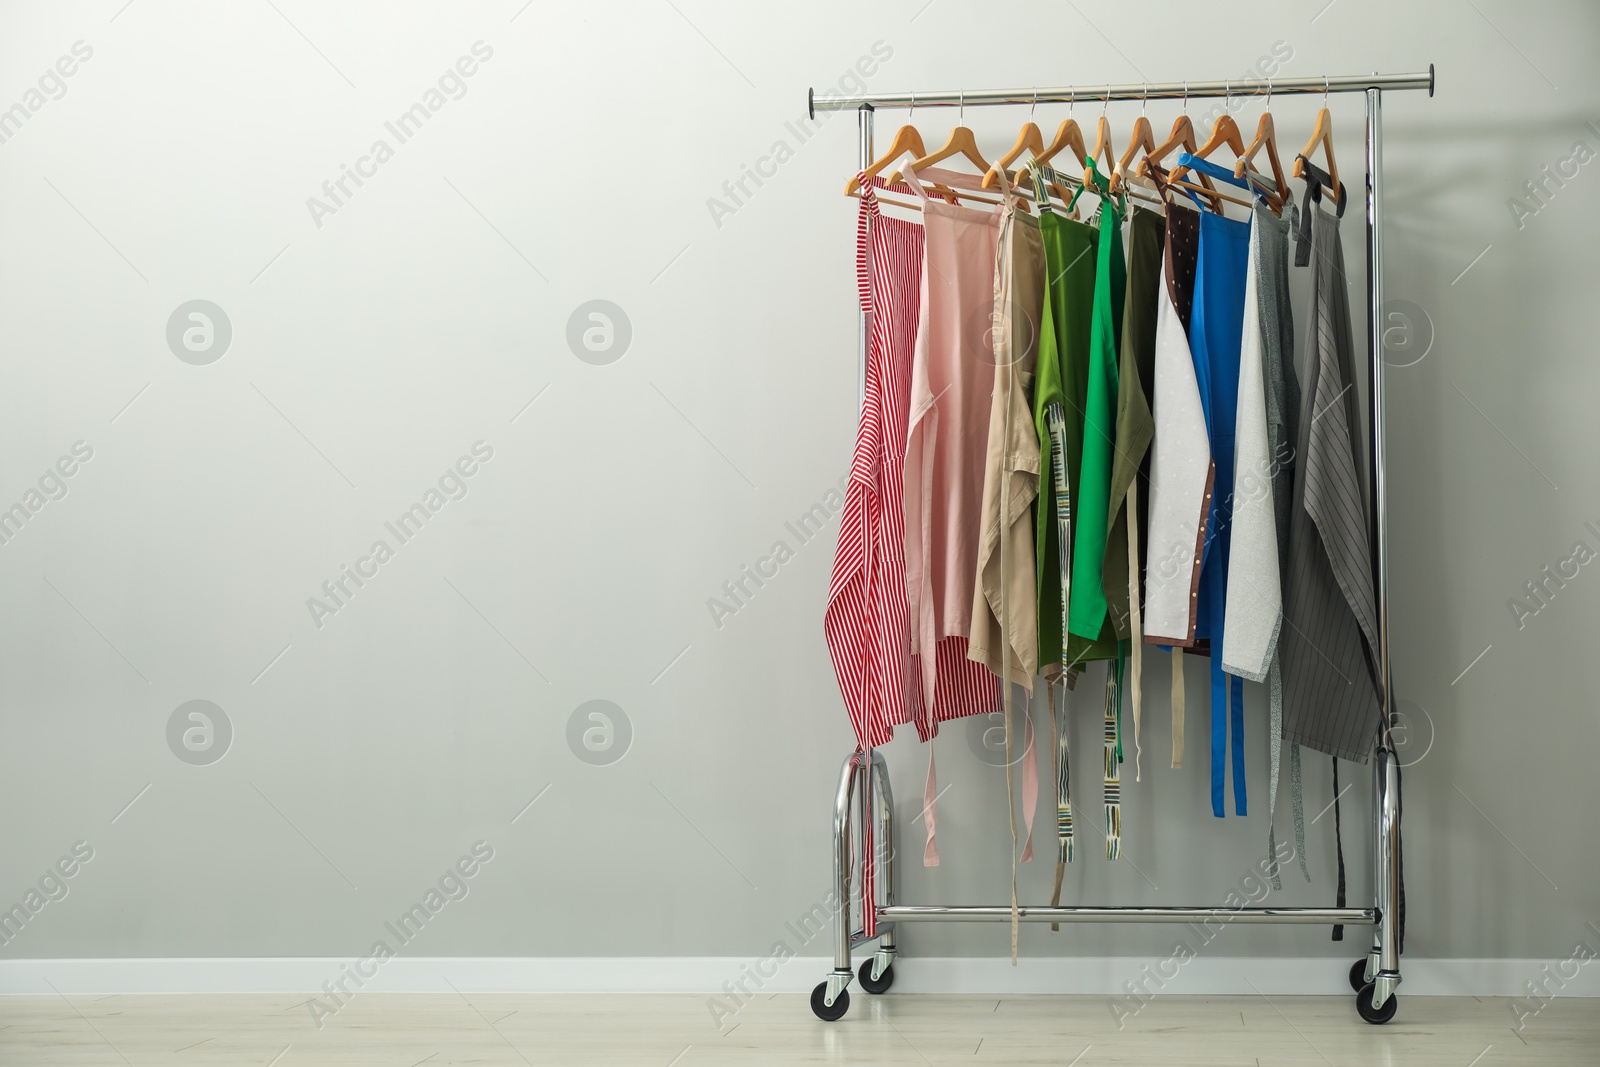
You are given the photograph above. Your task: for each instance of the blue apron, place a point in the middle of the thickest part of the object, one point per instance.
(1216, 334)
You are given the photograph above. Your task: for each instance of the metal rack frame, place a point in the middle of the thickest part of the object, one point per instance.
(864, 781)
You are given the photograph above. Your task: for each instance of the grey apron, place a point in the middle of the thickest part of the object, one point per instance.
(1330, 697)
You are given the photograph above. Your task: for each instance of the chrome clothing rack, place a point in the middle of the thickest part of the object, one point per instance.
(864, 781)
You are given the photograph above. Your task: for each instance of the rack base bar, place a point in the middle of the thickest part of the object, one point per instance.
(1001, 913)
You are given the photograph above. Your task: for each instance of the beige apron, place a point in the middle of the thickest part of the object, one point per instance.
(1005, 605)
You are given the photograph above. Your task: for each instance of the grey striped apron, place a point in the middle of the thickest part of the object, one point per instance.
(1330, 698)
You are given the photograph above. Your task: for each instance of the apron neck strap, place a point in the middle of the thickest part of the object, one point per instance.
(903, 171)
(1316, 180)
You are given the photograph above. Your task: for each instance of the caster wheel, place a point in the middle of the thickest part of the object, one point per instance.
(1358, 974)
(836, 1012)
(882, 984)
(1375, 1016)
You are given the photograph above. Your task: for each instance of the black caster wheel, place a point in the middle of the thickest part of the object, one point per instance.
(1375, 1016)
(1358, 974)
(882, 984)
(836, 1012)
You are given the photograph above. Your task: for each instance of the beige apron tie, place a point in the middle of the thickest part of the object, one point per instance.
(1136, 654)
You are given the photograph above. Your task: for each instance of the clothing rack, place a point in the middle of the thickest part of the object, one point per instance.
(864, 780)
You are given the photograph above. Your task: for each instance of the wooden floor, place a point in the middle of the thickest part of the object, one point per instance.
(515, 1030)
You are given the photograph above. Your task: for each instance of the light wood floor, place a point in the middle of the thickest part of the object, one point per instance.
(516, 1030)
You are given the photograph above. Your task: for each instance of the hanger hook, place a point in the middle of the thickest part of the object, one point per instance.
(961, 102)
(1072, 103)
(913, 110)
(1269, 94)
(1324, 90)
(1227, 96)
(1144, 101)
(1105, 100)
(1035, 106)
(1186, 96)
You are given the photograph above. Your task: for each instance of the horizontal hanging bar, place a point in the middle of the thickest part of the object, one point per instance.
(1083, 94)
(986, 913)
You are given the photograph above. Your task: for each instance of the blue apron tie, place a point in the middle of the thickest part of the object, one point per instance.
(1214, 337)
(1227, 701)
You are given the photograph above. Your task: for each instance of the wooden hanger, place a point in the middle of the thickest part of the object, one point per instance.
(1142, 138)
(1266, 137)
(1182, 136)
(933, 190)
(1102, 150)
(906, 139)
(954, 183)
(960, 143)
(1102, 147)
(1068, 135)
(1068, 138)
(1225, 132)
(1214, 193)
(1028, 137)
(1321, 135)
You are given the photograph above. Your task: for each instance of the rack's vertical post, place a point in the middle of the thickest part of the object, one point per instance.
(855, 780)
(868, 812)
(1375, 446)
(848, 775)
(1380, 495)
(885, 858)
(1386, 813)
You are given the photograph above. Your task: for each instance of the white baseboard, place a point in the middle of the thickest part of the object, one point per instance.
(713, 974)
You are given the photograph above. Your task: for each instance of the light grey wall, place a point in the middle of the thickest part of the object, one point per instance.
(373, 347)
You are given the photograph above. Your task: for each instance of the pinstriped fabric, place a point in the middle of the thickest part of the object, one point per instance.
(1330, 691)
(867, 618)
(867, 621)
(964, 687)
